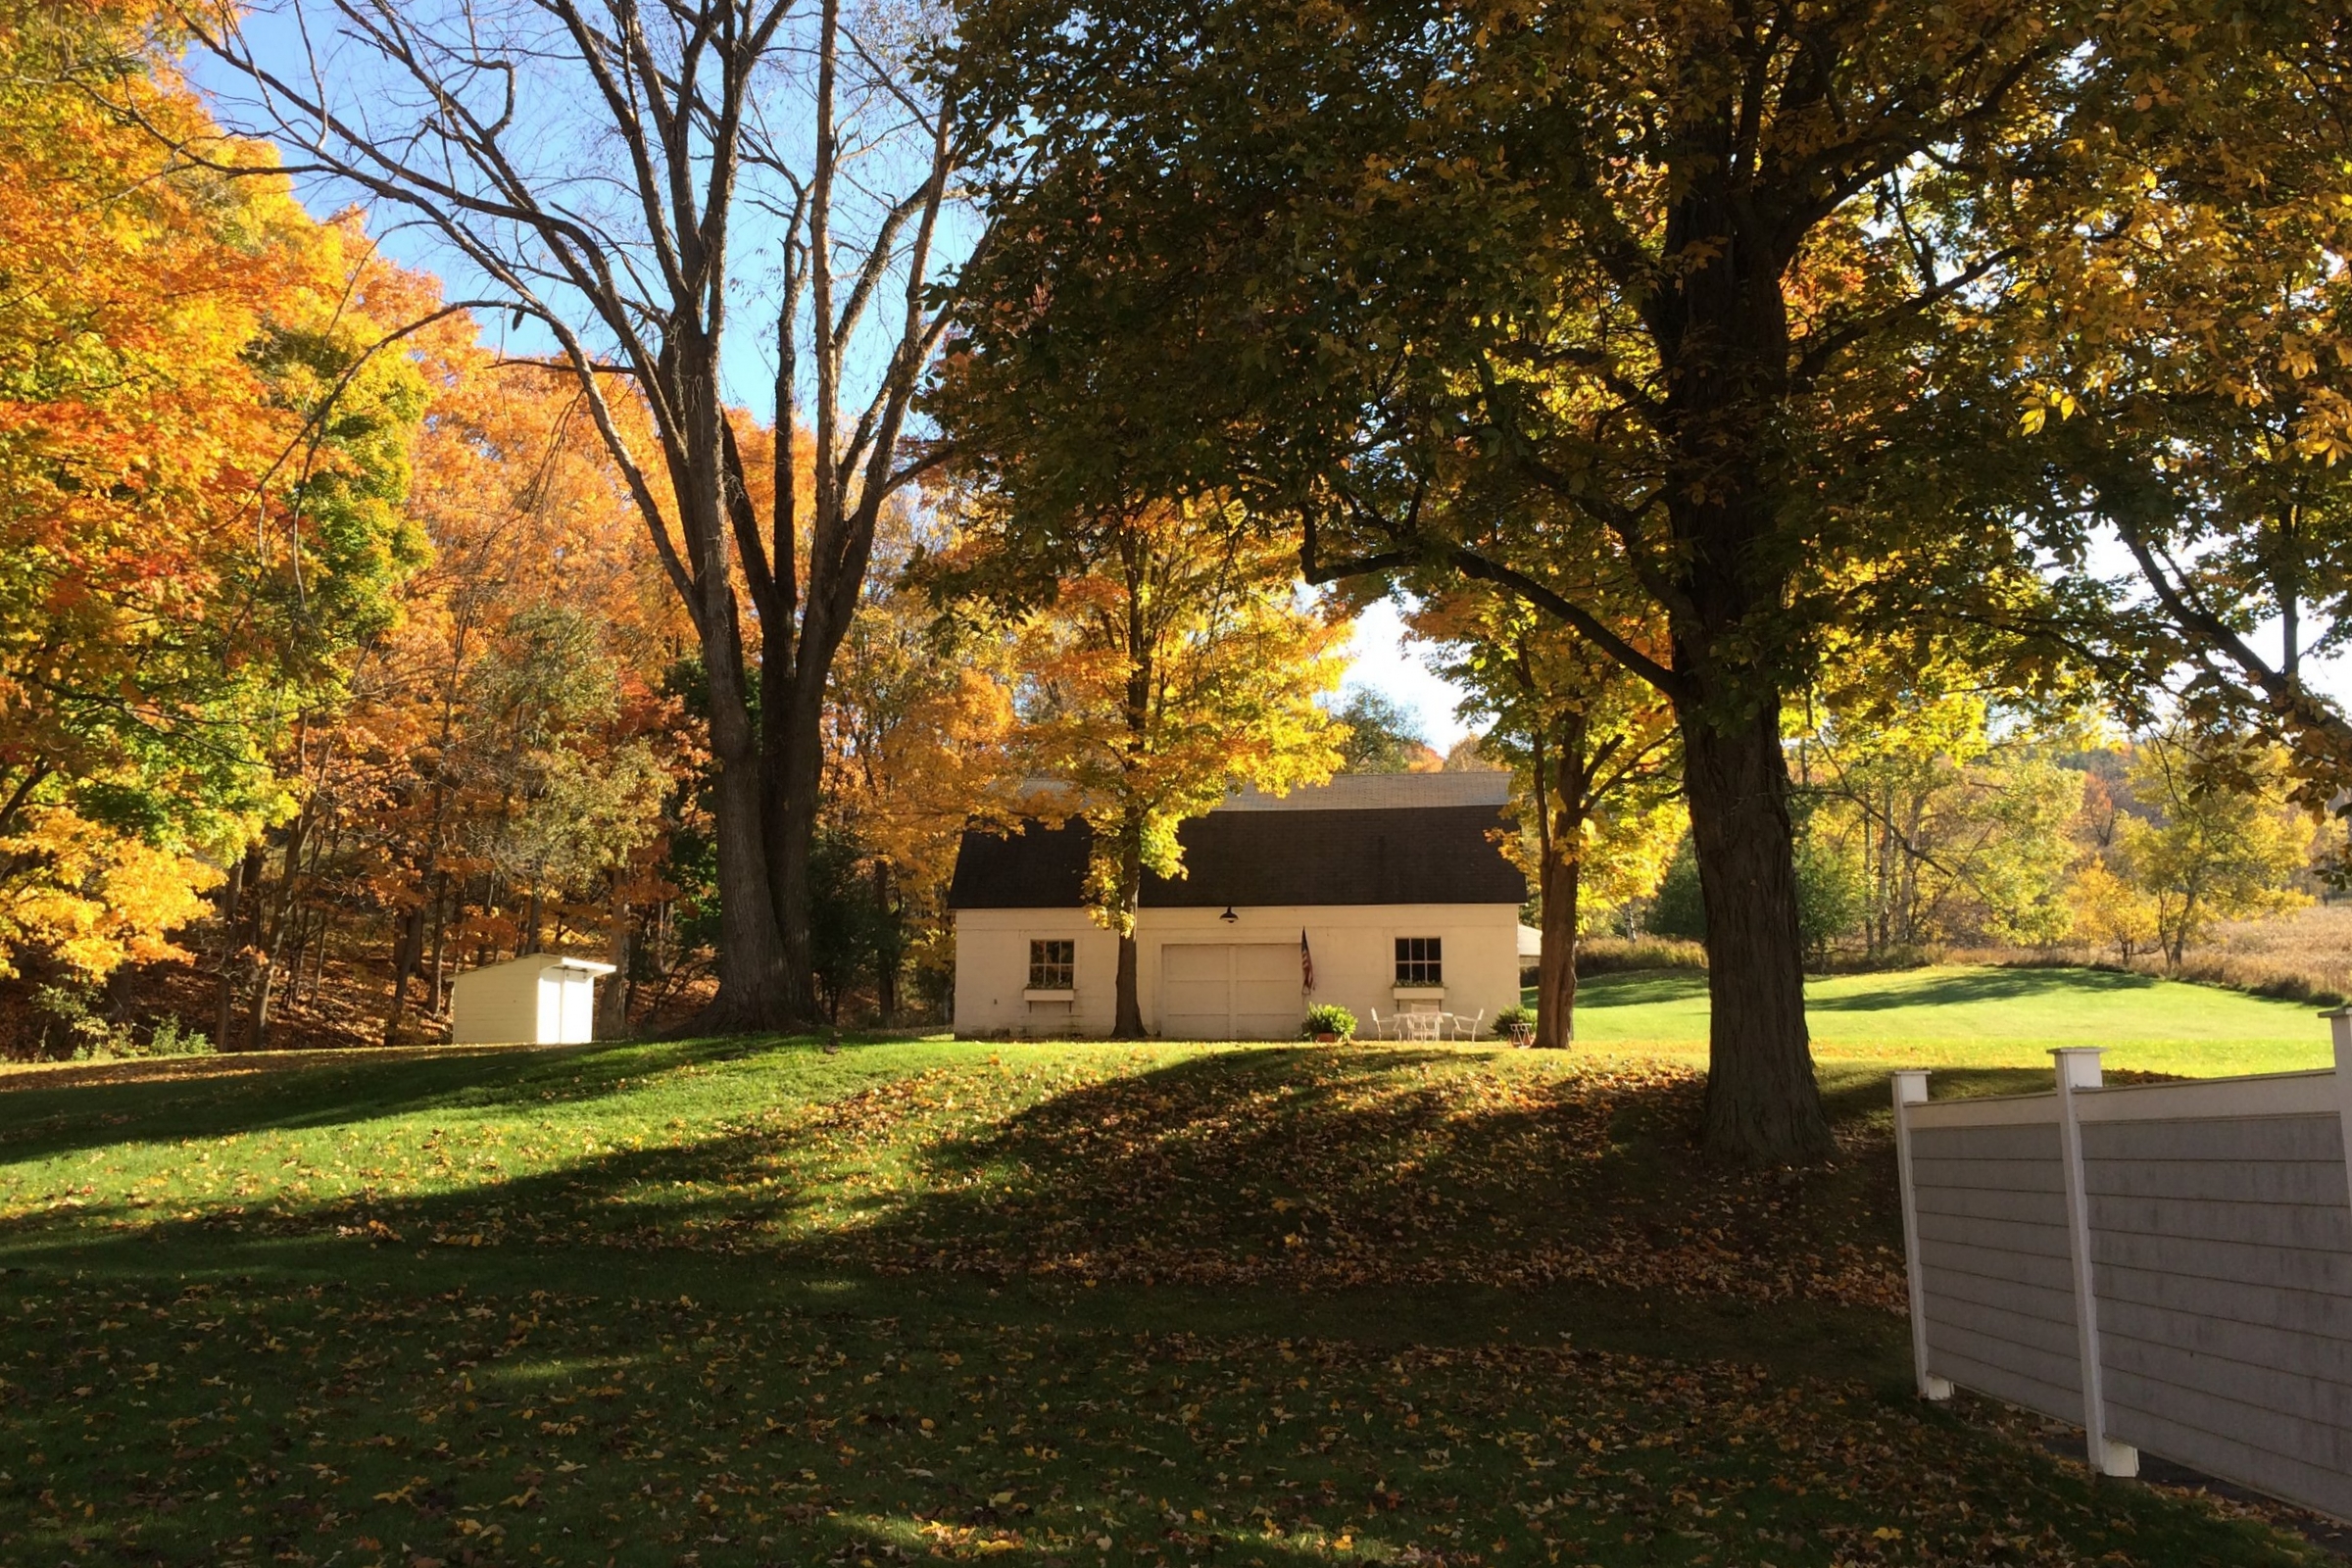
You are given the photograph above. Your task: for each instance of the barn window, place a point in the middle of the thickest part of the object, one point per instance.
(1052, 966)
(1420, 961)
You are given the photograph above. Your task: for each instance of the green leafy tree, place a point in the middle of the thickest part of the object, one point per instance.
(1382, 737)
(2229, 843)
(1953, 833)
(1706, 288)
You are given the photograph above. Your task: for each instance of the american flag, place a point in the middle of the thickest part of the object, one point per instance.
(1306, 963)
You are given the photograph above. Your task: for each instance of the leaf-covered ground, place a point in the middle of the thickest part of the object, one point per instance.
(1064, 1305)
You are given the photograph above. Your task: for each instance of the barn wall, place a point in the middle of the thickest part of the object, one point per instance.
(1353, 948)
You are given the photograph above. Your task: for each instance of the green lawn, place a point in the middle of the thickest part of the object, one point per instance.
(1058, 1305)
(1983, 1017)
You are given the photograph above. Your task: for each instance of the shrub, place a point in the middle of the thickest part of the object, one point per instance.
(1620, 954)
(1329, 1018)
(88, 1035)
(1509, 1018)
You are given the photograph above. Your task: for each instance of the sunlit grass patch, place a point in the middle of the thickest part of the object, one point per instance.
(1978, 1015)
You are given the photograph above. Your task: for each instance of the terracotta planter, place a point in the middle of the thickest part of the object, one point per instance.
(1327, 1037)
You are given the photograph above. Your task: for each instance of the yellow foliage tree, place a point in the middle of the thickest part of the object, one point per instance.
(2230, 841)
(1170, 659)
(100, 898)
(2109, 912)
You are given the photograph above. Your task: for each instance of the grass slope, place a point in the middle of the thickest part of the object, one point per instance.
(1984, 1016)
(1058, 1305)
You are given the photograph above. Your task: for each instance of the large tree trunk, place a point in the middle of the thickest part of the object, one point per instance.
(612, 1006)
(1763, 1105)
(1128, 1021)
(888, 950)
(794, 738)
(1555, 974)
(1722, 333)
(408, 952)
(246, 873)
(755, 993)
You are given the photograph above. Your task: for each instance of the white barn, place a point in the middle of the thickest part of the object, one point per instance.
(540, 998)
(1392, 888)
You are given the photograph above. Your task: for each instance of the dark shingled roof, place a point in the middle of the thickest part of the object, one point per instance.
(1405, 855)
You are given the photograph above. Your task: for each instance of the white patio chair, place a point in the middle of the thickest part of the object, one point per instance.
(1475, 1024)
(1380, 1030)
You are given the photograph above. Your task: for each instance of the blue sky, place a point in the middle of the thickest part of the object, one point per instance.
(1383, 658)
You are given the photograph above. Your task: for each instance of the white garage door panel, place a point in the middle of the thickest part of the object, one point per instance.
(1195, 988)
(1229, 991)
(1265, 993)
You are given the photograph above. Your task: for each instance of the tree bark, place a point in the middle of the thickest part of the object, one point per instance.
(613, 1008)
(1555, 974)
(279, 910)
(1127, 1022)
(755, 992)
(792, 732)
(887, 950)
(441, 920)
(1722, 332)
(246, 873)
(1763, 1105)
(1560, 880)
(408, 952)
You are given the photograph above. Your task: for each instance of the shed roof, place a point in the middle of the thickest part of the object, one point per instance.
(1336, 843)
(540, 964)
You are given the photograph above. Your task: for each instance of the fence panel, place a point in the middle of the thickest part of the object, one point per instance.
(2217, 1220)
(1992, 1252)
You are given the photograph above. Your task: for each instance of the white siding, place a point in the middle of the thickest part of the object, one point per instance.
(1354, 947)
(992, 974)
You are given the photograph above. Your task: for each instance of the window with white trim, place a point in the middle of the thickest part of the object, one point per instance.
(1420, 961)
(1052, 966)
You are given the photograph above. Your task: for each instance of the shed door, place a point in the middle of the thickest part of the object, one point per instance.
(579, 1007)
(1229, 991)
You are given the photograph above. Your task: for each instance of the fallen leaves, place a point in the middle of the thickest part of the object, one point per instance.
(1288, 1168)
(272, 1418)
(1163, 1446)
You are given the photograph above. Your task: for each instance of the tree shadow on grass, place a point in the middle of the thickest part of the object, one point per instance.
(1640, 988)
(1899, 991)
(37, 1121)
(1297, 1168)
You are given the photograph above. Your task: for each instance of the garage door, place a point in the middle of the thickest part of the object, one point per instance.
(1229, 991)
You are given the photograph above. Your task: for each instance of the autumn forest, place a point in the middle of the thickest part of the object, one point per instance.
(483, 481)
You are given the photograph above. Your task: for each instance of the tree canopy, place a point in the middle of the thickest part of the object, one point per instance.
(1731, 299)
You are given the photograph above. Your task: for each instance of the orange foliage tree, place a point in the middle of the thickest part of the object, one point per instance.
(201, 460)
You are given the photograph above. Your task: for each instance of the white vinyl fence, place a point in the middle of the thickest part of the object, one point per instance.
(2169, 1265)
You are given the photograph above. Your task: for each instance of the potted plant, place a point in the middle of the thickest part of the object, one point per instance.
(1515, 1024)
(1328, 1024)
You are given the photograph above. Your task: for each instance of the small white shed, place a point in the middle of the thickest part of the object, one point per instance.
(543, 998)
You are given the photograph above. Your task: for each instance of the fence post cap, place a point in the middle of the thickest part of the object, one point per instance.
(2079, 1067)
